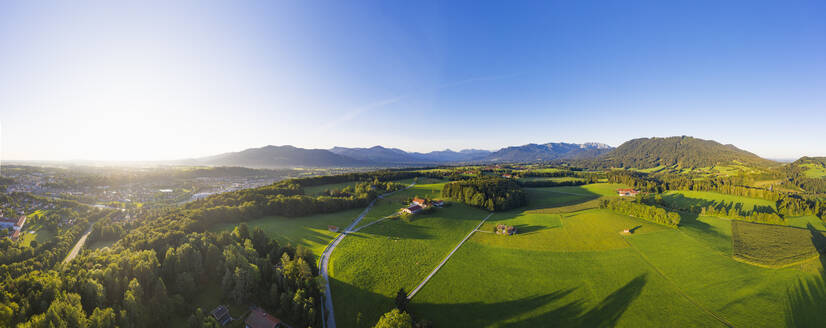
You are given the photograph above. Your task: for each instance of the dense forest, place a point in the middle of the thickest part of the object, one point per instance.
(490, 193)
(683, 151)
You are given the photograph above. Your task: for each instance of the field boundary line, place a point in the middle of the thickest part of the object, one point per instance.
(677, 288)
(432, 273)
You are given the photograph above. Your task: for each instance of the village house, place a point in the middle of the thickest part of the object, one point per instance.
(412, 209)
(260, 319)
(438, 203)
(332, 228)
(420, 201)
(627, 192)
(507, 176)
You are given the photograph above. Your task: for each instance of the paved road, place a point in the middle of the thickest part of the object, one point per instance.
(78, 245)
(426, 279)
(327, 306)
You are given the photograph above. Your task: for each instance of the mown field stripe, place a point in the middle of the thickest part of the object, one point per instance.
(426, 279)
(677, 288)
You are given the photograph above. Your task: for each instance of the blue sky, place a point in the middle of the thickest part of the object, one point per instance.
(161, 80)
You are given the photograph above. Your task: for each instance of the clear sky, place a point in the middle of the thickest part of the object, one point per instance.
(109, 80)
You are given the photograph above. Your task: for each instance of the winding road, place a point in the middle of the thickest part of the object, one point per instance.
(329, 318)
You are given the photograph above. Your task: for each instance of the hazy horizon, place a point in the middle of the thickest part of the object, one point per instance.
(156, 81)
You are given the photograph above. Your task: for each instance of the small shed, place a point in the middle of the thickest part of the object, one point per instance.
(332, 228)
(221, 314)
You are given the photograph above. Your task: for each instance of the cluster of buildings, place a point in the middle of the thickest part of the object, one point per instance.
(502, 229)
(14, 226)
(627, 192)
(257, 318)
(419, 204)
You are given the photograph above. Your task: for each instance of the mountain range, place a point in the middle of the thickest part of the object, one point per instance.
(639, 153)
(290, 156)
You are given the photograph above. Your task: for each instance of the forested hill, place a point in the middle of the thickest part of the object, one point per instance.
(811, 160)
(683, 151)
(279, 157)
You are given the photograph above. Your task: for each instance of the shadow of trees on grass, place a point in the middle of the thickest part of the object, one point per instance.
(570, 314)
(806, 301)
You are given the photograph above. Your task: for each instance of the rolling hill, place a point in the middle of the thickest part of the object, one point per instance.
(682, 151)
(280, 156)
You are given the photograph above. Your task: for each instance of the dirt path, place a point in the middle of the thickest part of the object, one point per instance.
(328, 315)
(426, 279)
(78, 245)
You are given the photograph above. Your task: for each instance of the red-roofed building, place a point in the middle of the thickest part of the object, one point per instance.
(627, 192)
(15, 235)
(412, 209)
(419, 201)
(260, 319)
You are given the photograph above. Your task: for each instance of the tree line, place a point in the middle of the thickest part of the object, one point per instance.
(490, 193)
(786, 203)
(643, 211)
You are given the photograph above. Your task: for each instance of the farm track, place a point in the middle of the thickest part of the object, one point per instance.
(426, 279)
(328, 315)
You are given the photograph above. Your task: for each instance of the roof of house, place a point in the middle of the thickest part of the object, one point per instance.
(15, 235)
(221, 313)
(260, 319)
(414, 208)
(626, 190)
(21, 221)
(419, 200)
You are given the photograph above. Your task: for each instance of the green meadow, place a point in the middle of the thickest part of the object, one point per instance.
(309, 231)
(40, 235)
(368, 267)
(569, 265)
(814, 170)
(686, 198)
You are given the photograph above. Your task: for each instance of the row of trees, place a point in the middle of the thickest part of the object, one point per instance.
(491, 193)
(735, 211)
(551, 183)
(786, 203)
(642, 211)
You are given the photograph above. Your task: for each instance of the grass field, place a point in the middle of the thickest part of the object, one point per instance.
(315, 190)
(556, 179)
(569, 265)
(805, 221)
(40, 235)
(773, 245)
(686, 198)
(309, 231)
(100, 244)
(814, 171)
(369, 267)
(429, 188)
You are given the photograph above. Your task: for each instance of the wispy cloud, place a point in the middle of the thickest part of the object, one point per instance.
(353, 113)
